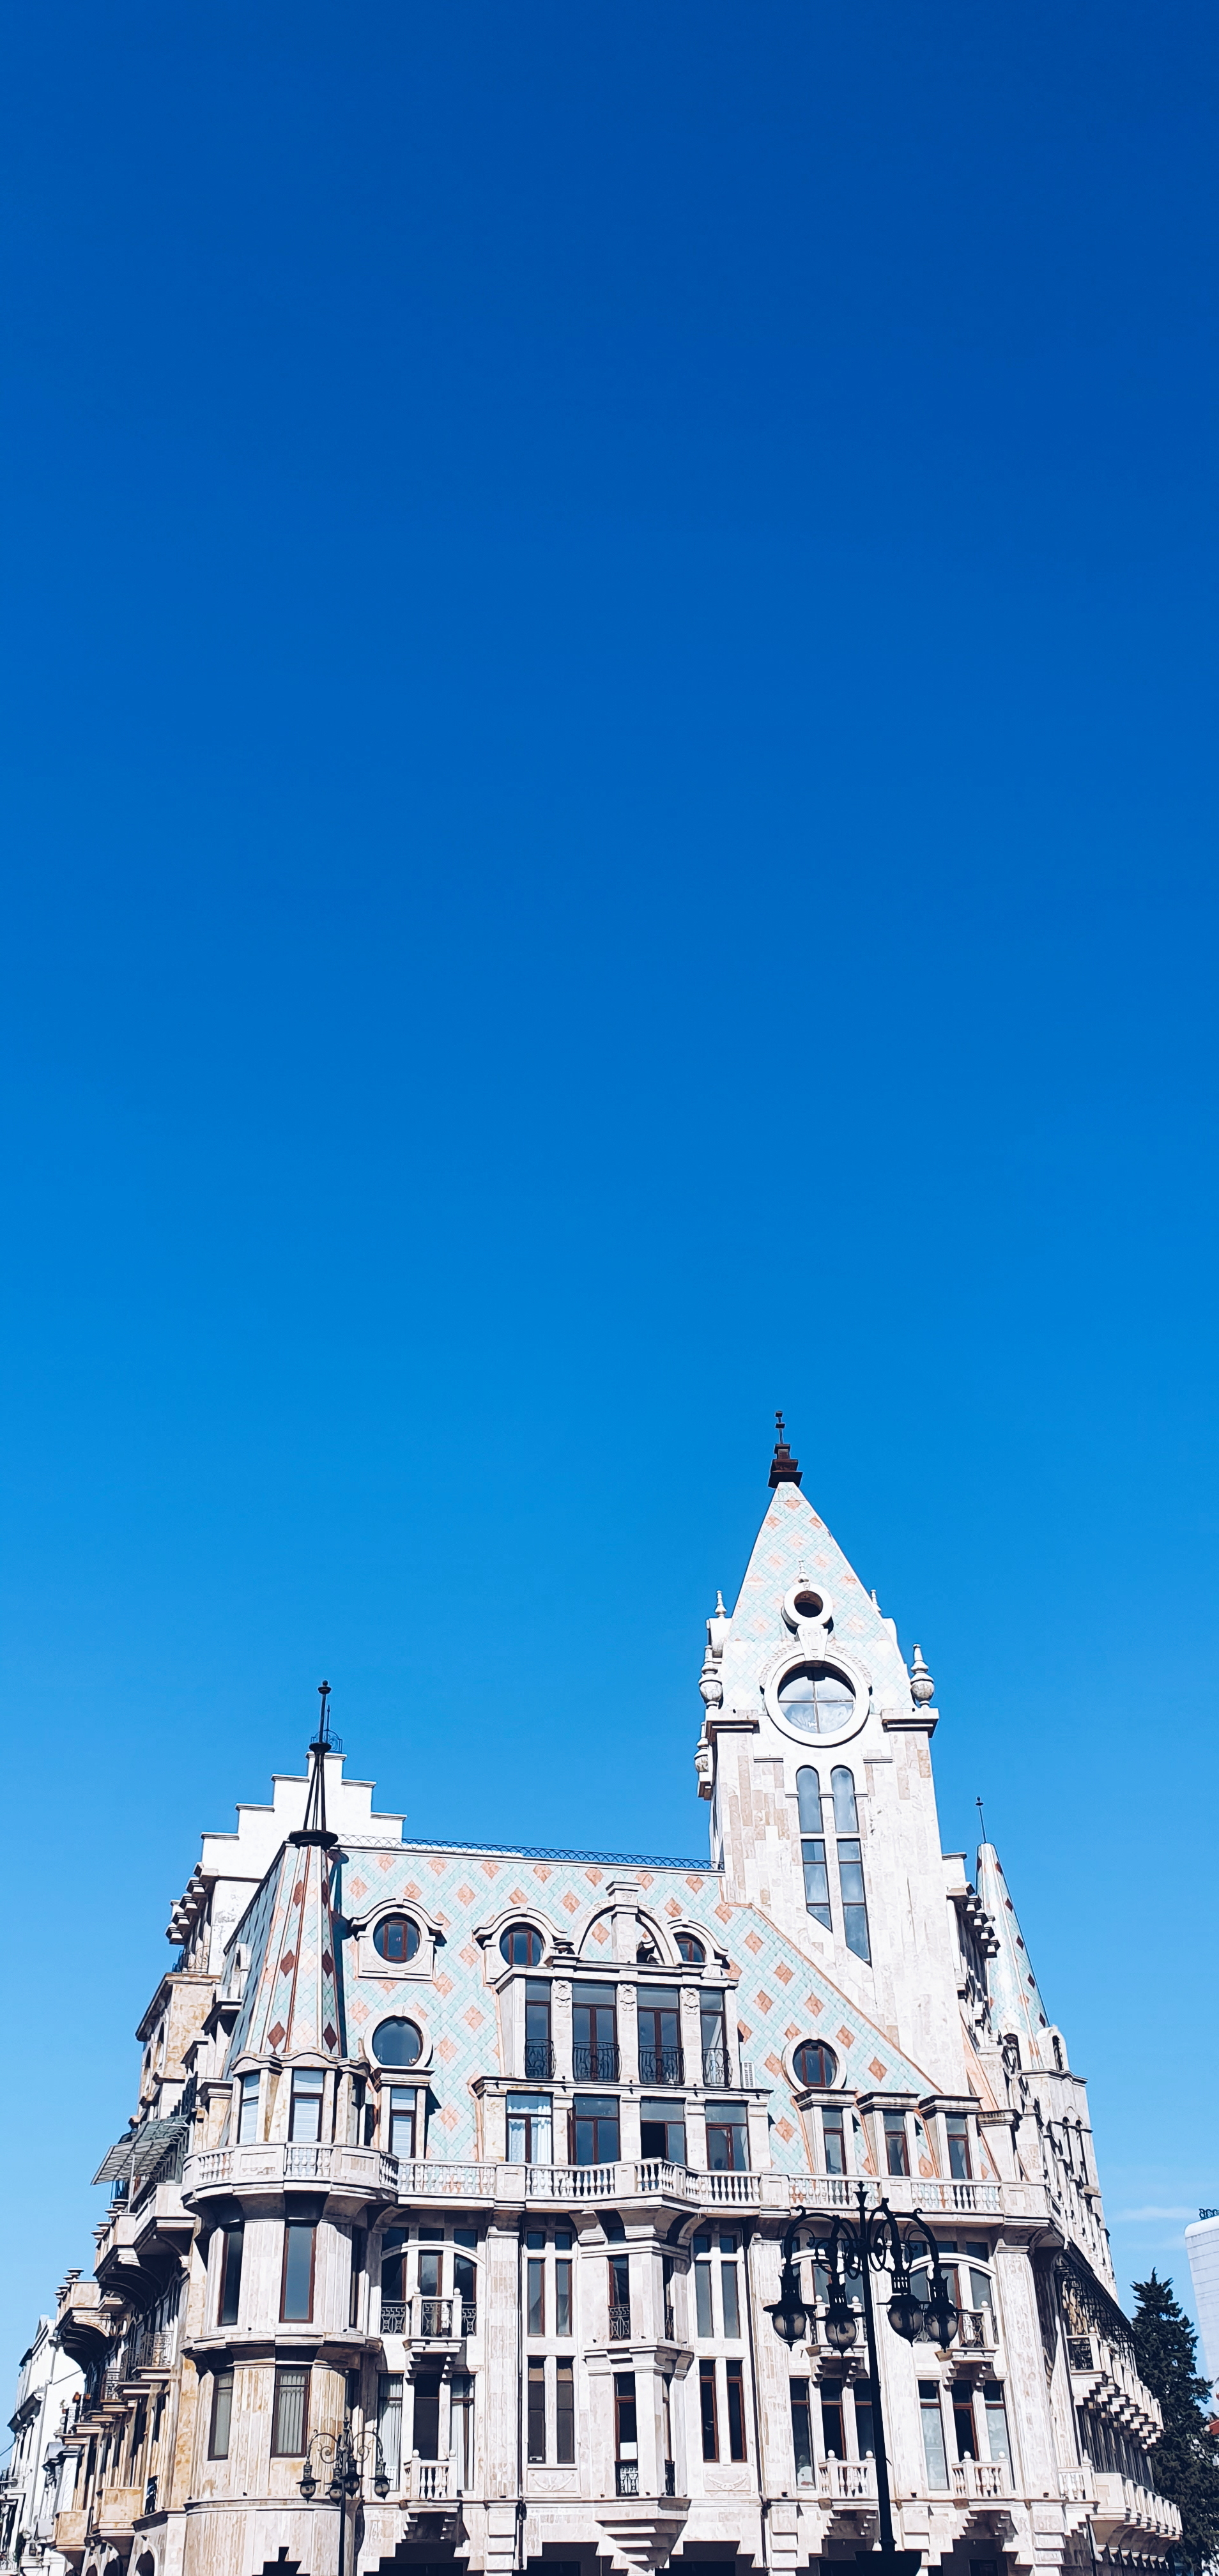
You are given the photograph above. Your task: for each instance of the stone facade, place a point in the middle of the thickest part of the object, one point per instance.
(481, 2161)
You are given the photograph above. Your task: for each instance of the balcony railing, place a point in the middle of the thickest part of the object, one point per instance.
(1079, 2353)
(716, 2066)
(847, 2481)
(424, 2320)
(984, 2479)
(975, 2329)
(539, 2060)
(430, 2481)
(626, 2477)
(670, 2477)
(619, 2322)
(662, 2066)
(597, 2064)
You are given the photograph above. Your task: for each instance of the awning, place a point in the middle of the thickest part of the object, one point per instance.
(140, 2149)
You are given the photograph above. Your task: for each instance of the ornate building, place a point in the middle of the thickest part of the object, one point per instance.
(451, 2218)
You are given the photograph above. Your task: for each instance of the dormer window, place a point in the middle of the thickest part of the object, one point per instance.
(521, 1946)
(690, 1950)
(396, 1939)
(815, 2063)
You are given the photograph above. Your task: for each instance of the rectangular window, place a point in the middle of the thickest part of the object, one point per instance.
(662, 2131)
(865, 2420)
(594, 2029)
(535, 2421)
(897, 2151)
(958, 2149)
(562, 2298)
(963, 2424)
(707, 2410)
(305, 2115)
(733, 2372)
(816, 1880)
(393, 2276)
(980, 2290)
(727, 2138)
(401, 2135)
(296, 2287)
(461, 2430)
(465, 2291)
(934, 2452)
(222, 2416)
(832, 2440)
(429, 2275)
(619, 2290)
(626, 2424)
(854, 1903)
(702, 2288)
(594, 2129)
(290, 2416)
(535, 2296)
(359, 2240)
(730, 2300)
(389, 2424)
(714, 2039)
(660, 2052)
(802, 2434)
(232, 2251)
(427, 2415)
(834, 2142)
(355, 2112)
(529, 2129)
(539, 2053)
(565, 2410)
(247, 2110)
(997, 2438)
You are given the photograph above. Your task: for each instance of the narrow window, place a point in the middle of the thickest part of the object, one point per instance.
(358, 2242)
(812, 1846)
(980, 2291)
(958, 2148)
(834, 2142)
(733, 2371)
(854, 1902)
(562, 2297)
(802, 2433)
(222, 2416)
(536, 2411)
(963, 2423)
(393, 2280)
(461, 2423)
(565, 2409)
(232, 2251)
(247, 2109)
(865, 2420)
(997, 2437)
(626, 2433)
(714, 2039)
(539, 2052)
(389, 2424)
(427, 2416)
(934, 2452)
(433, 2311)
(536, 2295)
(594, 2129)
(897, 2151)
(401, 2120)
(702, 2288)
(465, 2292)
(832, 2438)
(305, 2115)
(729, 2293)
(289, 2421)
(727, 2138)
(594, 2022)
(846, 1817)
(529, 2129)
(660, 2052)
(706, 2400)
(619, 2298)
(666, 2283)
(296, 2288)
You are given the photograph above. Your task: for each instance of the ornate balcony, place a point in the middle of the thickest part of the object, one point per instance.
(619, 2322)
(422, 2320)
(539, 2060)
(596, 2064)
(981, 2480)
(662, 2066)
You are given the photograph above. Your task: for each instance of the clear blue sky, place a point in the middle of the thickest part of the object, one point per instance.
(609, 809)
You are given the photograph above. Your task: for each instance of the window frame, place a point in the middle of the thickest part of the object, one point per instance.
(222, 2389)
(708, 2410)
(285, 2371)
(297, 2227)
(234, 2229)
(529, 1934)
(386, 1923)
(307, 2093)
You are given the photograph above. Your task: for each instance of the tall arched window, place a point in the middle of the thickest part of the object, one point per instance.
(850, 1864)
(812, 1847)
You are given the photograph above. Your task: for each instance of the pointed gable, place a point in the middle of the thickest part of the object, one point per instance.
(1016, 2004)
(291, 2006)
(793, 1542)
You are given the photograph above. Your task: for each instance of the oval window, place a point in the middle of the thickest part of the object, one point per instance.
(690, 1950)
(817, 1699)
(522, 1946)
(396, 1938)
(397, 2043)
(815, 2063)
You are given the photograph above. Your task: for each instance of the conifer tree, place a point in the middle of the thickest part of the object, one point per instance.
(1185, 2462)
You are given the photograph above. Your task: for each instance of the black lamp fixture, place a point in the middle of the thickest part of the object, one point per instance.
(788, 2315)
(347, 2454)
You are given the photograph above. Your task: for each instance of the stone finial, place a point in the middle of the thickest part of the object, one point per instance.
(922, 1687)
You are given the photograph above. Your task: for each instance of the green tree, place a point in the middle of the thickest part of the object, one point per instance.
(1185, 2462)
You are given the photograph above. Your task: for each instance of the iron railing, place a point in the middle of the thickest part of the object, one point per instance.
(596, 2063)
(662, 2066)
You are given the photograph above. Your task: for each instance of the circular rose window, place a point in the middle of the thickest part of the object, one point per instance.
(817, 1699)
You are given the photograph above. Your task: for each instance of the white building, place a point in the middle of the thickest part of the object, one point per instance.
(482, 2161)
(1202, 2247)
(49, 2388)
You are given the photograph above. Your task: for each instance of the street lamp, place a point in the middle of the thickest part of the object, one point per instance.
(347, 2454)
(852, 2250)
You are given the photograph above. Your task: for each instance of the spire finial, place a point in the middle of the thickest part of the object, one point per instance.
(981, 1819)
(314, 1829)
(323, 1723)
(784, 1469)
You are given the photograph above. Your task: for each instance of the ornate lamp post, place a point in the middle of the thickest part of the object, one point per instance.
(347, 2455)
(853, 2250)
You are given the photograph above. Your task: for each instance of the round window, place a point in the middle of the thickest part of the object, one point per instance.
(815, 2063)
(396, 1938)
(397, 2043)
(522, 1946)
(817, 1699)
(690, 1950)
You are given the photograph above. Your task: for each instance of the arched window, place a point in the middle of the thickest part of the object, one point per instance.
(521, 1946)
(815, 2063)
(396, 2043)
(690, 1950)
(812, 1847)
(850, 1864)
(396, 1939)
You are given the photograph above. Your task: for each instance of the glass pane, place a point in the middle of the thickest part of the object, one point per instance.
(230, 2293)
(817, 1700)
(288, 2431)
(934, 2451)
(536, 2428)
(389, 2425)
(808, 1797)
(835, 2146)
(222, 2415)
(562, 2298)
(996, 2424)
(565, 2407)
(702, 2299)
(536, 2305)
(736, 2411)
(802, 2435)
(732, 2305)
(298, 2274)
(842, 1783)
(816, 1881)
(855, 1930)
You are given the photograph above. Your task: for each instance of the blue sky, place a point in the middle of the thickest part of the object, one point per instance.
(608, 796)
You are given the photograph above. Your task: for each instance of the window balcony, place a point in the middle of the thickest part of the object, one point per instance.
(619, 2323)
(597, 2063)
(430, 2481)
(982, 2480)
(662, 2066)
(539, 2061)
(717, 2066)
(626, 2477)
(975, 2330)
(847, 2481)
(422, 2320)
